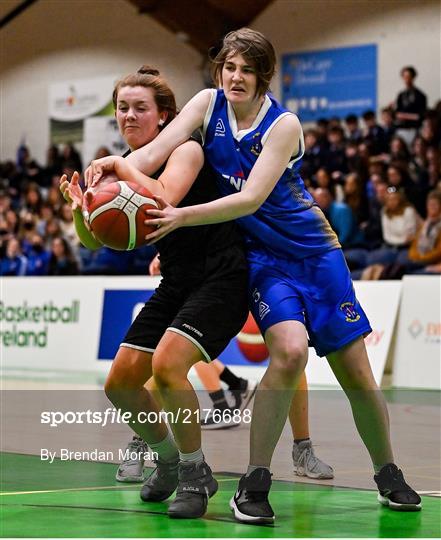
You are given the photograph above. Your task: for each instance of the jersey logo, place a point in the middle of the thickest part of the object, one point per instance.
(256, 147)
(220, 128)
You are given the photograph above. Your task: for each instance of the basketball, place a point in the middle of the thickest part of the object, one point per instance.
(251, 343)
(116, 215)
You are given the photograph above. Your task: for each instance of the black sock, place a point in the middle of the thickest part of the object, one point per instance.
(298, 441)
(219, 400)
(233, 382)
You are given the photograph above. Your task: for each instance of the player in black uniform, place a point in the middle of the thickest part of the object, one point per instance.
(199, 306)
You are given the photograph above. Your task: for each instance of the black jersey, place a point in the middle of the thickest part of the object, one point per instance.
(204, 250)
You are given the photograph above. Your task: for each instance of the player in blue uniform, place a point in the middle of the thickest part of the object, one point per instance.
(299, 281)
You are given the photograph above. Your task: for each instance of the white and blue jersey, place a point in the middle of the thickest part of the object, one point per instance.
(296, 269)
(288, 224)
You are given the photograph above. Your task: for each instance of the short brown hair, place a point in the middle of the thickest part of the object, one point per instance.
(256, 50)
(149, 77)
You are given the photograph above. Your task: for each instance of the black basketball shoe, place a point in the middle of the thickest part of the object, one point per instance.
(250, 503)
(394, 492)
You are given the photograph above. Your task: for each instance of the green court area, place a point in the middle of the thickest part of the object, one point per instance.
(82, 499)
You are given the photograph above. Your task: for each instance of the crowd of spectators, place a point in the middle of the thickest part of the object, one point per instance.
(377, 181)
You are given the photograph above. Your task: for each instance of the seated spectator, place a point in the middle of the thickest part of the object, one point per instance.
(354, 133)
(12, 221)
(355, 197)
(14, 262)
(340, 217)
(419, 163)
(388, 123)
(425, 249)
(398, 149)
(32, 199)
(102, 151)
(70, 158)
(322, 179)
(38, 257)
(336, 155)
(314, 155)
(399, 223)
(374, 135)
(398, 176)
(62, 261)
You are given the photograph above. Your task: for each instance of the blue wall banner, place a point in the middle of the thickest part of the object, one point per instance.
(330, 82)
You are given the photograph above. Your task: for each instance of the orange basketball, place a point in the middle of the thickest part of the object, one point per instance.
(251, 343)
(116, 214)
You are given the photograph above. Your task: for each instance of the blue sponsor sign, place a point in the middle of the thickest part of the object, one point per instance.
(120, 307)
(331, 82)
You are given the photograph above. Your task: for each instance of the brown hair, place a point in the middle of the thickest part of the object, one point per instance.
(403, 202)
(149, 77)
(255, 49)
(435, 194)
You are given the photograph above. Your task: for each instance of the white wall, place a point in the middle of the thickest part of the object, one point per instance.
(59, 40)
(407, 32)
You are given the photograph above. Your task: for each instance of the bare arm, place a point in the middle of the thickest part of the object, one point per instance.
(282, 143)
(181, 170)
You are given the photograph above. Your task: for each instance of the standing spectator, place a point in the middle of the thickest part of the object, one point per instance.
(410, 106)
(62, 262)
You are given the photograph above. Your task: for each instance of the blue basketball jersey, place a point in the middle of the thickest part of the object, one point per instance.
(288, 224)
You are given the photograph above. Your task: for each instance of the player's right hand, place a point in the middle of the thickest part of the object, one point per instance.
(98, 168)
(71, 191)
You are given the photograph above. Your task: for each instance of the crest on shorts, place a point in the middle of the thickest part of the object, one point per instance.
(350, 312)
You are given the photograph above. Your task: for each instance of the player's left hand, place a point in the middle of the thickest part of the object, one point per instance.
(167, 219)
(98, 168)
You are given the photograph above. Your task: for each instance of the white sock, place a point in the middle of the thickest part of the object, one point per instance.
(166, 449)
(192, 457)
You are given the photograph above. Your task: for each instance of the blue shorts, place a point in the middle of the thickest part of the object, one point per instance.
(317, 291)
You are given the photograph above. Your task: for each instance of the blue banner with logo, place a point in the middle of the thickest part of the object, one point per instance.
(330, 82)
(120, 307)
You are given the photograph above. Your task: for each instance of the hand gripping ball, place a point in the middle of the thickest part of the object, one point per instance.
(116, 214)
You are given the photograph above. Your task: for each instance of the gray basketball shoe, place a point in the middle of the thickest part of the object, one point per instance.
(161, 483)
(196, 486)
(131, 468)
(306, 463)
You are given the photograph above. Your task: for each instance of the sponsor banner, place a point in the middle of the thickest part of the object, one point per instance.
(101, 131)
(330, 82)
(49, 323)
(417, 354)
(78, 99)
(380, 301)
(78, 323)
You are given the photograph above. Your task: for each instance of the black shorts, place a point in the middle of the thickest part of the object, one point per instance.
(209, 314)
